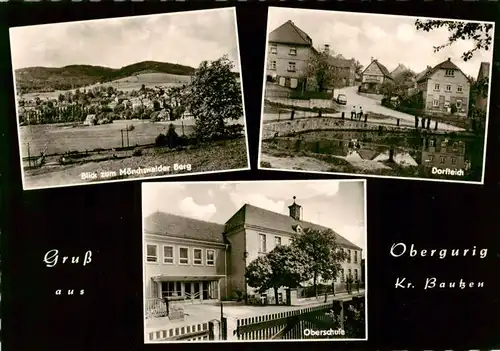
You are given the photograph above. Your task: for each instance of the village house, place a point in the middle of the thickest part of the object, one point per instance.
(200, 260)
(373, 76)
(445, 90)
(444, 153)
(484, 73)
(289, 51)
(345, 69)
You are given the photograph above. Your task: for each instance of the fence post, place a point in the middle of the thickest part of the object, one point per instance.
(398, 123)
(366, 117)
(128, 144)
(422, 122)
(223, 328)
(428, 123)
(29, 156)
(343, 115)
(292, 115)
(436, 125)
(416, 122)
(121, 132)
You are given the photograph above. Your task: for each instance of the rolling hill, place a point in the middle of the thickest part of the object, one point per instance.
(45, 79)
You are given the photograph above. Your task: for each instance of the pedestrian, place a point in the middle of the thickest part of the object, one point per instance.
(360, 112)
(357, 285)
(353, 112)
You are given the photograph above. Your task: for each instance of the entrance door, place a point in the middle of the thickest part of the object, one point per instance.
(206, 291)
(282, 81)
(187, 288)
(196, 291)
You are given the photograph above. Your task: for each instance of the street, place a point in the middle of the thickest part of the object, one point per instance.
(372, 105)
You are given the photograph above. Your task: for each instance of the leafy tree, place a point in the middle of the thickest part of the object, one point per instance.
(320, 247)
(214, 97)
(480, 33)
(358, 68)
(333, 269)
(321, 72)
(259, 274)
(289, 268)
(175, 103)
(60, 98)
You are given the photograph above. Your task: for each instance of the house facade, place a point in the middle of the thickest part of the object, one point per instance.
(374, 75)
(204, 261)
(289, 51)
(345, 70)
(184, 257)
(445, 88)
(444, 153)
(484, 73)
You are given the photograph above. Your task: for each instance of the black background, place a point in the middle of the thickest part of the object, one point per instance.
(106, 219)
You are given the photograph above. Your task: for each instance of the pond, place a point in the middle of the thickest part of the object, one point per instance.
(375, 150)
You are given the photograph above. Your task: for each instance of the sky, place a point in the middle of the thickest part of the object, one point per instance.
(339, 205)
(185, 38)
(390, 39)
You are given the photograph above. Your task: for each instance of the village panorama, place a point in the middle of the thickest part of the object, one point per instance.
(81, 123)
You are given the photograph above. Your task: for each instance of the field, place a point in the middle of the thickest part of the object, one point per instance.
(61, 138)
(218, 156)
(149, 80)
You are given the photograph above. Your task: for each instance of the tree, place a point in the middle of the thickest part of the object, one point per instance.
(175, 102)
(214, 97)
(322, 72)
(259, 274)
(320, 248)
(333, 269)
(479, 33)
(358, 67)
(60, 98)
(289, 268)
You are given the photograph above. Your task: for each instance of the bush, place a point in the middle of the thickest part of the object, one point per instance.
(137, 152)
(265, 164)
(172, 139)
(233, 131)
(161, 140)
(306, 95)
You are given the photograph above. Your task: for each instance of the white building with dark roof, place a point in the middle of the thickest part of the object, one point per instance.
(207, 261)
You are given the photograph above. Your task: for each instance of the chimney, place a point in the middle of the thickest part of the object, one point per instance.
(326, 49)
(295, 210)
(371, 59)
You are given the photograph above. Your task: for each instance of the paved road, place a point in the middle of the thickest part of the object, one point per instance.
(372, 105)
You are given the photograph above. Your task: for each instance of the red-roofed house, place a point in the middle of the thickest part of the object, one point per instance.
(374, 75)
(289, 50)
(445, 86)
(201, 260)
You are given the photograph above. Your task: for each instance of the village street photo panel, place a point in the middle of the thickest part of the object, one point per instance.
(132, 97)
(376, 95)
(255, 261)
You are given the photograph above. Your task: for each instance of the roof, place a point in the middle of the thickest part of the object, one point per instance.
(167, 224)
(264, 218)
(381, 67)
(484, 70)
(289, 33)
(447, 64)
(423, 73)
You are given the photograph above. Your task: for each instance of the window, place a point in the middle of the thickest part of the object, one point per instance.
(210, 257)
(355, 257)
(431, 143)
(460, 88)
(455, 147)
(459, 104)
(183, 255)
(151, 253)
(449, 73)
(349, 273)
(168, 254)
(435, 103)
(355, 274)
(291, 66)
(274, 49)
(431, 158)
(342, 275)
(262, 243)
(453, 160)
(448, 87)
(348, 256)
(278, 241)
(293, 51)
(447, 104)
(272, 65)
(436, 87)
(442, 159)
(197, 257)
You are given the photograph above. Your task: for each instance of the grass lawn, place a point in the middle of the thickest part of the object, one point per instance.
(218, 156)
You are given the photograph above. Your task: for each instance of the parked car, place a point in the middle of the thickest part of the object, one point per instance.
(341, 99)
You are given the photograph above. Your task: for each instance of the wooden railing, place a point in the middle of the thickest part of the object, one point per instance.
(155, 308)
(193, 296)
